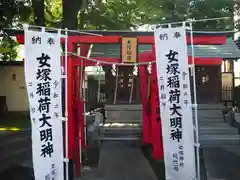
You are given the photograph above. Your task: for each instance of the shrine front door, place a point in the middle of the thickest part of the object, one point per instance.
(125, 78)
(122, 85)
(208, 84)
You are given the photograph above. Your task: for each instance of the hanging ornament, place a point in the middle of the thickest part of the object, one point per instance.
(135, 70)
(113, 70)
(149, 68)
(97, 64)
(98, 67)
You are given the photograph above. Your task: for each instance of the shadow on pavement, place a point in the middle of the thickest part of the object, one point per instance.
(222, 163)
(17, 173)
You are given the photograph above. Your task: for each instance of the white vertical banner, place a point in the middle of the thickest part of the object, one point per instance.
(175, 103)
(43, 81)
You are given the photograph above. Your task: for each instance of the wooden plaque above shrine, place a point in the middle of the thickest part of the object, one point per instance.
(129, 49)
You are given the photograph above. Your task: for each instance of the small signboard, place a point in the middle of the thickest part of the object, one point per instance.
(129, 49)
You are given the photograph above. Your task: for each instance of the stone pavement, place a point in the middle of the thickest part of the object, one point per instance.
(119, 161)
(222, 164)
(17, 173)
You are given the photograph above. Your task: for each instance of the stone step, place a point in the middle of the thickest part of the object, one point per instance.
(137, 107)
(210, 119)
(120, 124)
(214, 130)
(124, 115)
(212, 123)
(123, 138)
(120, 133)
(211, 106)
(129, 121)
(123, 128)
(120, 129)
(210, 114)
(125, 107)
(123, 112)
(219, 140)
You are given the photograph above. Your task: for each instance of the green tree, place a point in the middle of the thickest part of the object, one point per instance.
(126, 14)
(53, 13)
(13, 13)
(115, 14)
(111, 14)
(180, 10)
(213, 9)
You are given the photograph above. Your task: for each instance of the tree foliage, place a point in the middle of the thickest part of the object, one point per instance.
(213, 9)
(126, 14)
(13, 14)
(122, 14)
(8, 48)
(53, 13)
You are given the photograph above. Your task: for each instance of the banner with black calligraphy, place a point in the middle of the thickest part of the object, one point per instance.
(175, 103)
(43, 81)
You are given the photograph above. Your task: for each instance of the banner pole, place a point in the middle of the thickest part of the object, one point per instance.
(84, 112)
(116, 87)
(80, 123)
(66, 103)
(195, 103)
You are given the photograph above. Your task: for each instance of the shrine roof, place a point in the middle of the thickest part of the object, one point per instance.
(228, 50)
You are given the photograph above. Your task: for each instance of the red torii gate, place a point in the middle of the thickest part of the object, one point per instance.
(151, 125)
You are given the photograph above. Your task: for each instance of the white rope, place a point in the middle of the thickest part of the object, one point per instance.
(49, 29)
(149, 70)
(213, 32)
(210, 19)
(131, 92)
(194, 21)
(111, 63)
(135, 73)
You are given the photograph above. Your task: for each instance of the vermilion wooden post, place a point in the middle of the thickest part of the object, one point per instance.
(146, 120)
(155, 115)
(79, 111)
(84, 48)
(73, 149)
(71, 136)
(77, 114)
(144, 86)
